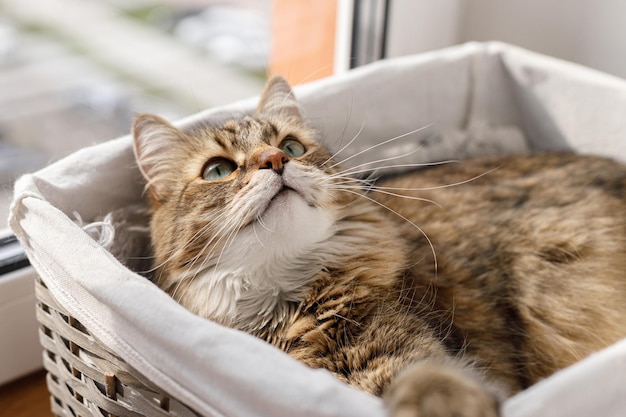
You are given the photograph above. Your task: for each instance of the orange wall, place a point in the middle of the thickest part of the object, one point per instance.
(303, 39)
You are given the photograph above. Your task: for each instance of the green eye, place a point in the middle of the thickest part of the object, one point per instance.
(292, 147)
(218, 168)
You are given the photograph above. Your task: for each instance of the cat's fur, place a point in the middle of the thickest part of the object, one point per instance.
(444, 309)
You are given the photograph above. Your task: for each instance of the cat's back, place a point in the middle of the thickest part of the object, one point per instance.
(530, 255)
(539, 179)
(561, 195)
(542, 194)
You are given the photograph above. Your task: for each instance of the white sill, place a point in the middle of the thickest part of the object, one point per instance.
(20, 351)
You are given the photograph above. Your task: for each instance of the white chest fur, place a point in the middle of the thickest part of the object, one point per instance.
(266, 264)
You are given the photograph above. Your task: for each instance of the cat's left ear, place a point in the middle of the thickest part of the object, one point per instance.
(277, 100)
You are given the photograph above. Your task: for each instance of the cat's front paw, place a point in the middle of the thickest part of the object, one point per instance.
(434, 390)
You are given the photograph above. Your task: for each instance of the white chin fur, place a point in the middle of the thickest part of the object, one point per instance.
(287, 231)
(267, 263)
(291, 223)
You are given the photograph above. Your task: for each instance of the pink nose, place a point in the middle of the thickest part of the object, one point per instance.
(273, 159)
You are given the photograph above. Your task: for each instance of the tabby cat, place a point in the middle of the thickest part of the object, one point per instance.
(443, 309)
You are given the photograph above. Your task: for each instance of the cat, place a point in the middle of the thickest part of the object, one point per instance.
(443, 306)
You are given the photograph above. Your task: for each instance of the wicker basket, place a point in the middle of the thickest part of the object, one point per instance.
(473, 85)
(85, 378)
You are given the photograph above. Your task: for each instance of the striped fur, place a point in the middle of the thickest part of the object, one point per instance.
(444, 309)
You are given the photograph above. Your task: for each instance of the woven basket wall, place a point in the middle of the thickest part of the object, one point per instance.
(85, 378)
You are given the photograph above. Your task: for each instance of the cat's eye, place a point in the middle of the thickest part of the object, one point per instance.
(292, 147)
(218, 168)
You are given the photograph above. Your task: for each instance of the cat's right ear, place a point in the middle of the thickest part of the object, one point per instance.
(277, 100)
(156, 142)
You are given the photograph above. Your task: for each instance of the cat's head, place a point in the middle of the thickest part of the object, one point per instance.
(240, 208)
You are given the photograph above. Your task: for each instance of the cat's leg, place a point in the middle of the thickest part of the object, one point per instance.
(436, 389)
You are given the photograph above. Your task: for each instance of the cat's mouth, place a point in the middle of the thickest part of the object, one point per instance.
(283, 194)
(282, 191)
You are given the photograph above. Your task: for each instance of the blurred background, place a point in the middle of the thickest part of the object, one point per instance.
(75, 72)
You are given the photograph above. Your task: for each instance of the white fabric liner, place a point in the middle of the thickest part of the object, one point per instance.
(451, 96)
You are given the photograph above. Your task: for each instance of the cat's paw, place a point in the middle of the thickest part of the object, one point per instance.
(435, 390)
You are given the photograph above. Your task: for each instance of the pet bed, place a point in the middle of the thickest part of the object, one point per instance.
(114, 344)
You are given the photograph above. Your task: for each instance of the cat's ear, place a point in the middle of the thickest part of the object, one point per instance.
(277, 100)
(156, 142)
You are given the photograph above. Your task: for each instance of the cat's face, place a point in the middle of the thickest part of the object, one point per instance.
(237, 207)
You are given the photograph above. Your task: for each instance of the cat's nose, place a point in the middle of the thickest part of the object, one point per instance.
(273, 159)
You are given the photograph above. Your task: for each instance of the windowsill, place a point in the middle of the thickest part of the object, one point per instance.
(20, 352)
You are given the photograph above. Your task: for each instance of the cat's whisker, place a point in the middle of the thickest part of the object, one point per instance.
(205, 258)
(258, 239)
(345, 146)
(377, 190)
(394, 166)
(379, 161)
(229, 241)
(225, 231)
(345, 179)
(432, 247)
(339, 140)
(439, 187)
(368, 186)
(198, 234)
(260, 221)
(364, 186)
(201, 232)
(378, 145)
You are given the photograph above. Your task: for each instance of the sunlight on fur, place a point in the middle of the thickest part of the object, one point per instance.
(445, 289)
